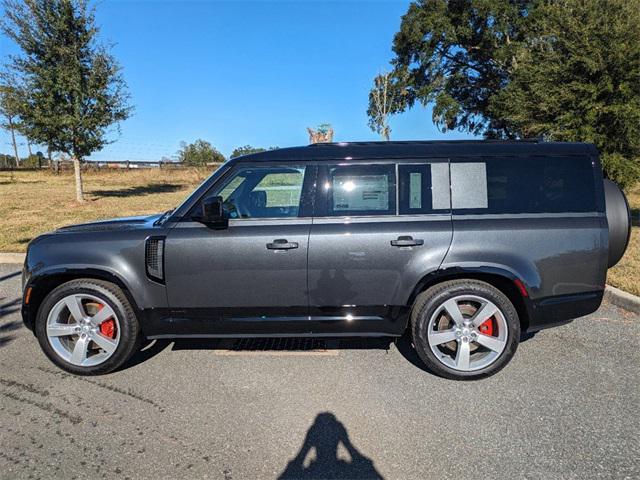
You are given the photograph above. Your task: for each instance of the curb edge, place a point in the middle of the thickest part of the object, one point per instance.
(622, 299)
(12, 257)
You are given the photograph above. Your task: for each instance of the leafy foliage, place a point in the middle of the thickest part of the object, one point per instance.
(7, 161)
(383, 101)
(245, 150)
(456, 54)
(199, 153)
(71, 87)
(324, 128)
(9, 105)
(578, 79)
(9, 110)
(34, 160)
(248, 150)
(561, 70)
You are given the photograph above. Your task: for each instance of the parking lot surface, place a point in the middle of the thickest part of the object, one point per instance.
(568, 406)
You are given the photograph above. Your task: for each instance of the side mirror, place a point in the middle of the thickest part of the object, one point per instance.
(211, 213)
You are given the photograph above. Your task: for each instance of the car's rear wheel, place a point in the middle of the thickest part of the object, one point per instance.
(464, 329)
(87, 327)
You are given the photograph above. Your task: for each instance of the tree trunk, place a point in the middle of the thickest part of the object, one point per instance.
(53, 165)
(29, 147)
(15, 145)
(78, 174)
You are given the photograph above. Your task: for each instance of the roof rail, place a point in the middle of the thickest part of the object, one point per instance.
(423, 142)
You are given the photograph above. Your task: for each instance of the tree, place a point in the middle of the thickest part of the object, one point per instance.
(9, 110)
(73, 87)
(322, 134)
(245, 150)
(7, 161)
(578, 79)
(563, 70)
(456, 55)
(383, 101)
(199, 153)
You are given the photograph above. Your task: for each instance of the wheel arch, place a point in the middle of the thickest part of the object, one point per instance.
(516, 290)
(44, 283)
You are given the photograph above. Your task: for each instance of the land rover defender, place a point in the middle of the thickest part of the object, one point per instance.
(466, 245)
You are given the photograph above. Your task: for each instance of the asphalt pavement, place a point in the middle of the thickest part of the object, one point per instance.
(567, 406)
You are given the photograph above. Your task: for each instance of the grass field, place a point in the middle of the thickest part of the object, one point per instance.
(35, 202)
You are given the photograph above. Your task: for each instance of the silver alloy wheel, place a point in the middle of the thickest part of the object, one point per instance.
(462, 344)
(73, 330)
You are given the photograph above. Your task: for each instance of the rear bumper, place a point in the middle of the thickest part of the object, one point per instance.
(560, 309)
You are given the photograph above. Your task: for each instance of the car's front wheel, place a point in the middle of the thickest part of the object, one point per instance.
(87, 327)
(464, 329)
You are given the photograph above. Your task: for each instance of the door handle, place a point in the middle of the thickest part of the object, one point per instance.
(407, 241)
(282, 244)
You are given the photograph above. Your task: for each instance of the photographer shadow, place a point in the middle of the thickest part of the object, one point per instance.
(323, 438)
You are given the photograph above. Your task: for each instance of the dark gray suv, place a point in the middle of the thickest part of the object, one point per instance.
(465, 244)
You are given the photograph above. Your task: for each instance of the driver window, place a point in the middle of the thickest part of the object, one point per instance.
(262, 192)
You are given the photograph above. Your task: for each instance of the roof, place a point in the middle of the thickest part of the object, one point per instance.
(416, 149)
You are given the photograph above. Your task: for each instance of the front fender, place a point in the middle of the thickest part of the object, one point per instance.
(119, 258)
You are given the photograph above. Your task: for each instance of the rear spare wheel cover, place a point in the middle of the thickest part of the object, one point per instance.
(619, 220)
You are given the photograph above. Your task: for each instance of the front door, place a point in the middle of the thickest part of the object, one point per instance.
(249, 277)
(379, 229)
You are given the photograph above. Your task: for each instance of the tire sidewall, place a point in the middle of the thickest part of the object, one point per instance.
(128, 325)
(436, 299)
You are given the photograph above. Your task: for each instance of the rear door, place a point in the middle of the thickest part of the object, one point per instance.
(379, 228)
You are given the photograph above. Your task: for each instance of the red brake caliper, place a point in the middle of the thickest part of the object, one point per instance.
(487, 327)
(108, 327)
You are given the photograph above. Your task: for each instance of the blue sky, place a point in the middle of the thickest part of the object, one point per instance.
(237, 73)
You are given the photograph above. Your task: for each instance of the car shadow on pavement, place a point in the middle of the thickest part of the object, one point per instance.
(151, 348)
(275, 345)
(318, 455)
(148, 350)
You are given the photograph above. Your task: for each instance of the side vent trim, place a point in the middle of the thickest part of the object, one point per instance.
(154, 258)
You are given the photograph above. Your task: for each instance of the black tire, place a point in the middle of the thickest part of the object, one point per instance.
(427, 304)
(618, 220)
(111, 295)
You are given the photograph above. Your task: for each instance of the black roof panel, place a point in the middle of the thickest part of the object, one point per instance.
(416, 149)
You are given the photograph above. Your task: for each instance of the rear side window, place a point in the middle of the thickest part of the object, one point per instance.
(360, 190)
(523, 185)
(423, 188)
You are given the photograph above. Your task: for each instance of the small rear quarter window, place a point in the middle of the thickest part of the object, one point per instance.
(424, 188)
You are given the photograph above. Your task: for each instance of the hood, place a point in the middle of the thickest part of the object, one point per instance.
(111, 225)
